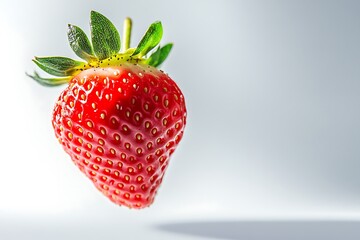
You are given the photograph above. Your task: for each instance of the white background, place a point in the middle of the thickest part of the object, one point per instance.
(272, 90)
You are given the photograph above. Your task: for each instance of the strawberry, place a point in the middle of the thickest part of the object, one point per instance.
(119, 118)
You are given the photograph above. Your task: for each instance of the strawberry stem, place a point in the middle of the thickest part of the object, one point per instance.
(103, 50)
(127, 33)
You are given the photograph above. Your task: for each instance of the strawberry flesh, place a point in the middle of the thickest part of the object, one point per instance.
(120, 125)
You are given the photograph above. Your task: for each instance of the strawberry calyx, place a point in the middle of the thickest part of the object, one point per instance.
(103, 50)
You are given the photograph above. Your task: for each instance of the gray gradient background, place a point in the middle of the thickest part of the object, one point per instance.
(272, 90)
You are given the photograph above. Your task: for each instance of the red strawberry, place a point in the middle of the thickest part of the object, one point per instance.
(120, 118)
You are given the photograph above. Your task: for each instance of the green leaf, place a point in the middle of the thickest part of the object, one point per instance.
(104, 36)
(150, 40)
(80, 43)
(159, 56)
(154, 58)
(51, 82)
(58, 66)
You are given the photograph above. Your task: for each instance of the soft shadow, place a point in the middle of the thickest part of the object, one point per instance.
(268, 230)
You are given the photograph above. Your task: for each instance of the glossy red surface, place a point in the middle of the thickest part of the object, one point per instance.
(120, 125)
